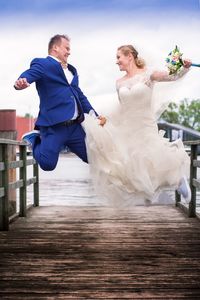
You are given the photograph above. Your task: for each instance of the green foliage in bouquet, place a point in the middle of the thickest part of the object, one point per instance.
(174, 61)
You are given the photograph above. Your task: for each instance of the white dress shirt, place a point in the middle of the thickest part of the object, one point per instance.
(69, 76)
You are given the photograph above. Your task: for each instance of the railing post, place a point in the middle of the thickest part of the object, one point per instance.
(4, 216)
(193, 174)
(2, 187)
(36, 185)
(177, 198)
(23, 177)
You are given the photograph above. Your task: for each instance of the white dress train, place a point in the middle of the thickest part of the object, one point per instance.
(129, 159)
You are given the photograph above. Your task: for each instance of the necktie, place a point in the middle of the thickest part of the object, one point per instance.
(64, 65)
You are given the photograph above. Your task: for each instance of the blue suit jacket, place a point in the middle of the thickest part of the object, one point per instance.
(55, 93)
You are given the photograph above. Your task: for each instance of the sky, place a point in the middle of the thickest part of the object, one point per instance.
(96, 29)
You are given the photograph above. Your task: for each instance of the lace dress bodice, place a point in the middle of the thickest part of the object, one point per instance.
(135, 96)
(135, 93)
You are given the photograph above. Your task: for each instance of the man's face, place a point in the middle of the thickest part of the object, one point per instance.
(63, 50)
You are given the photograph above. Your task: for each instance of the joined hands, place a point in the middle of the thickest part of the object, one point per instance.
(102, 120)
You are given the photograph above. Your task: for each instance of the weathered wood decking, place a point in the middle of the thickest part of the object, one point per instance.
(96, 253)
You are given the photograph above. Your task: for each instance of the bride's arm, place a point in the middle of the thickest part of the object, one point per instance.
(164, 75)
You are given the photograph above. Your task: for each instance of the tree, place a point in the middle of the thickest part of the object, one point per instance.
(187, 113)
(27, 115)
(171, 113)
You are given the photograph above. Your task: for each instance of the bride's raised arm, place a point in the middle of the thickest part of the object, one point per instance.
(164, 75)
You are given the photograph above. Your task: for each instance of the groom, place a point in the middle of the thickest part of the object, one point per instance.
(62, 105)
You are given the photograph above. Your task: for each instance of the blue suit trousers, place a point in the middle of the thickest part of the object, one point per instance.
(53, 139)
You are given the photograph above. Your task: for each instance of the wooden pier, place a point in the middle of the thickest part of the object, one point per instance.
(90, 251)
(100, 253)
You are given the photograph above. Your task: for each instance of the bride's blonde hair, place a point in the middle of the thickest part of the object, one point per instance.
(126, 49)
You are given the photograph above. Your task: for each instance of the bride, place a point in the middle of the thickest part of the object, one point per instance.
(129, 159)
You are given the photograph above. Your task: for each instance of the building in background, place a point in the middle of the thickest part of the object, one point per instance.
(23, 125)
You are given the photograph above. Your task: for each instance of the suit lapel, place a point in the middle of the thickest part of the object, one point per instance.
(73, 70)
(54, 61)
(70, 67)
(58, 67)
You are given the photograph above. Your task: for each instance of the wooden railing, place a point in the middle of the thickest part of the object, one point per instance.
(7, 163)
(6, 186)
(194, 181)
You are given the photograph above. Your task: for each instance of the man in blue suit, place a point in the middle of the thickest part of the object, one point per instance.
(62, 105)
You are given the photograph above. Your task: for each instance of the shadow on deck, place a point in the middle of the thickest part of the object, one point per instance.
(99, 253)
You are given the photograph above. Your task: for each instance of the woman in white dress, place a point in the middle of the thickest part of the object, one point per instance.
(129, 159)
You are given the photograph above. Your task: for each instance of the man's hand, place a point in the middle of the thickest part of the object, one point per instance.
(21, 84)
(102, 120)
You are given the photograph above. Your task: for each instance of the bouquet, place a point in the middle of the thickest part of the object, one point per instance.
(174, 61)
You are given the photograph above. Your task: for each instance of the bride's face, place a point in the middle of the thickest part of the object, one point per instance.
(123, 61)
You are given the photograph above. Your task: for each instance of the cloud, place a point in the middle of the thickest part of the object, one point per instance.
(94, 40)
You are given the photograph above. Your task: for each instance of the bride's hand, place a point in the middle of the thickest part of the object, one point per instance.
(187, 63)
(102, 120)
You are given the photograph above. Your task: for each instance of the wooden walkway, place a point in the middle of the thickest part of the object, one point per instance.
(97, 253)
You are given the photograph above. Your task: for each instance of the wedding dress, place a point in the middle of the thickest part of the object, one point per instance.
(129, 159)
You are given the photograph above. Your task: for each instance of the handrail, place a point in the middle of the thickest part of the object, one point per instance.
(194, 182)
(187, 133)
(6, 186)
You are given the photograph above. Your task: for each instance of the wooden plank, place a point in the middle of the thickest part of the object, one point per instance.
(31, 161)
(194, 142)
(2, 166)
(31, 180)
(101, 253)
(36, 185)
(11, 142)
(4, 181)
(15, 164)
(196, 183)
(23, 177)
(196, 163)
(15, 185)
(19, 164)
(2, 192)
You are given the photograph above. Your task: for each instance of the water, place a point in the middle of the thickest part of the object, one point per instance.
(68, 184)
